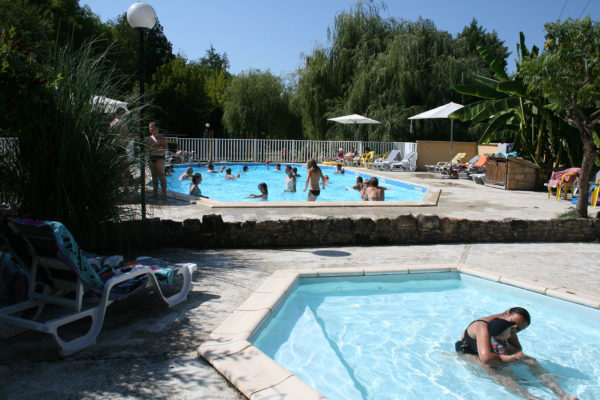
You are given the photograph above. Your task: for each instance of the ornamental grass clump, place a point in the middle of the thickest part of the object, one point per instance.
(69, 165)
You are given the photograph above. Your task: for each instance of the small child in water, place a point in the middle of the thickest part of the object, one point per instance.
(290, 180)
(228, 174)
(195, 186)
(500, 330)
(264, 192)
(188, 174)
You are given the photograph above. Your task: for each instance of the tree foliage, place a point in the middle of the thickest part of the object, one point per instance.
(69, 164)
(258, 106)
(568, 75)
(387, 70)
(188, 94)
(513, 114)
(125, 52)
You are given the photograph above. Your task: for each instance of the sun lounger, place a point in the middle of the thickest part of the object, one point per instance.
(438, 167)
(382, 163)
(62, 275)
(563, 180)
(408, 162)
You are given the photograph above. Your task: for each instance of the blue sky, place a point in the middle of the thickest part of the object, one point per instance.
(273, 34)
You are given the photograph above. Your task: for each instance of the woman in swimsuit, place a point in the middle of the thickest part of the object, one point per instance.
(476, 340)
(313, 176)
(157, 147)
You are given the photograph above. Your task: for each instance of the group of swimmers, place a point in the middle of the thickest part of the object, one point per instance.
(315, 182)
(369, 190)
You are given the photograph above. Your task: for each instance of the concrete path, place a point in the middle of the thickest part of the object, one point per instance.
(147, 351)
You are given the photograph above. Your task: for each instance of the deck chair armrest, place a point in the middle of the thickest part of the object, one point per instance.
(112, 282)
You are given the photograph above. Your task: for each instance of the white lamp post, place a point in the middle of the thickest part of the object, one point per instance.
(141, 16)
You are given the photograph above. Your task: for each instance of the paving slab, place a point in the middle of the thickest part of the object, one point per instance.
(146, 350)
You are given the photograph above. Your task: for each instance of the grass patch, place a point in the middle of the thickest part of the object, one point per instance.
(572, 213)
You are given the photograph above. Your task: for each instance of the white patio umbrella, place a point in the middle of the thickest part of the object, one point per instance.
(354, 119)
(441, 112)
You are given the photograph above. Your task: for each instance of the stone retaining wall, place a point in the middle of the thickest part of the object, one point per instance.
(212, 232)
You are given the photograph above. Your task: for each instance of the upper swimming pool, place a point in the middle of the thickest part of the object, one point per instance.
(234, 190)
(392, 337)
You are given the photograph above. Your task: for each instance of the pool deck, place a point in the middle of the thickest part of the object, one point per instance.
(146, 350)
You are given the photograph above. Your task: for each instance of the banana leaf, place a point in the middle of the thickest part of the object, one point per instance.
(485, 81)
(515, 87)
(495, 66)
(480, 91)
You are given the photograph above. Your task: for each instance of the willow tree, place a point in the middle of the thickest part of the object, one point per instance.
(568, 74)
(385, 69)
(257, 104)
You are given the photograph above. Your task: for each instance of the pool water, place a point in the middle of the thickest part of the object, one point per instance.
(218, 188)
(392, 337)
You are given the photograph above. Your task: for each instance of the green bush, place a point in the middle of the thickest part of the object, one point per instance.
(70, 165)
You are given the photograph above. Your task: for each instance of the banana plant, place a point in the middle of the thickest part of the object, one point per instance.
(515, 115)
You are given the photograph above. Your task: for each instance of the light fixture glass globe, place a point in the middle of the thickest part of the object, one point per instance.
(207, 125)
(141, 15)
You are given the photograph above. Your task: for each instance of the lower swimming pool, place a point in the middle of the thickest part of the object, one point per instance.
(392, 337)
(232, 190)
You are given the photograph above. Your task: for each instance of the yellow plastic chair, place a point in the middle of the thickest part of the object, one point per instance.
(563, 180)
(365, 158)
(595, 193)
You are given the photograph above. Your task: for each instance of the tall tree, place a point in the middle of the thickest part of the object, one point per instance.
(388, 70)
(125, 53)
(568, 74)
(257, 105)
(42, 24)
(180, 100)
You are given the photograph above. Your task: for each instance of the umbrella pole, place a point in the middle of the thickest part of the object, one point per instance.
(354, 131)
(451, 131)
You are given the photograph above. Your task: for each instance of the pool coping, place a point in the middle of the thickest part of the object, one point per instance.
(430, 199)
(258, 376)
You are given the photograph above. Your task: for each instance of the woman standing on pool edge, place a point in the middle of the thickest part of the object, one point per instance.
(157, 147)
(313, 176)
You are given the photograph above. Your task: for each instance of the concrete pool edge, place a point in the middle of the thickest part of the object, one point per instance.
(229, 350)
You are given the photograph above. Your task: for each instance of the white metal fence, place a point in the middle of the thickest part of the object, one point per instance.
(261, 150)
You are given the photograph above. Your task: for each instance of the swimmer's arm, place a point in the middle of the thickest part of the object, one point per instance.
(322, 179)
(510, 358)
(484, 349)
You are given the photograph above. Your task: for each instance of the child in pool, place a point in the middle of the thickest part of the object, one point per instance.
(500, 330)
(228, 174)
(290, 180)
(188, 174)
(194, 187)
(264, 192)
(359, 184)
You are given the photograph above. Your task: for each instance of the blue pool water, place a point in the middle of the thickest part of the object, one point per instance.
(392, 337)
(218, 188)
